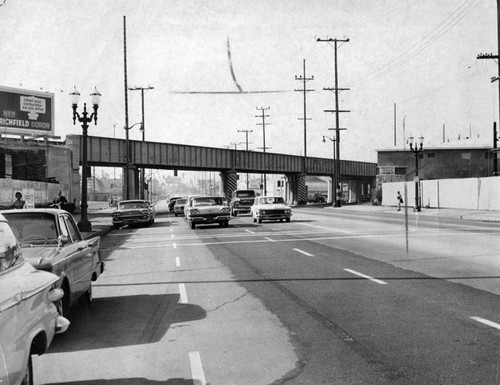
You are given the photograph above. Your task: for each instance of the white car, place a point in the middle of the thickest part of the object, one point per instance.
(270, 208)
(28, 314)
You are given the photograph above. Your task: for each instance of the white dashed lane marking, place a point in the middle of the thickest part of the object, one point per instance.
(182, 293)
(304, 252)
(366, 276)
(198, 376)
(486, 322)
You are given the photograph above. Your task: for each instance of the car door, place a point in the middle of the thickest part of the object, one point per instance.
(79, 255)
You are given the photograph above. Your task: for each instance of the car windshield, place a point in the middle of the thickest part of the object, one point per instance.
(207, 201)
(33, 228)
(180, 202)
(271, 200)
(245, 194)
(132, 205)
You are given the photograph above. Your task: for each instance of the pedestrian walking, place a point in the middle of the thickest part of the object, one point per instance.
(400, 201)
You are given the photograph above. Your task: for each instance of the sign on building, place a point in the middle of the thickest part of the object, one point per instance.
(26, 112)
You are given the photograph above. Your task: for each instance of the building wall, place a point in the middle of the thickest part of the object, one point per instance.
(439, 163)
(467, 193)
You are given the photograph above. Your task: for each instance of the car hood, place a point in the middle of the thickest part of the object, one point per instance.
(277, 206)
(23, 279)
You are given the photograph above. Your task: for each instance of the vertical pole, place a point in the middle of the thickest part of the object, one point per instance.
(337, 126)
(305, 121)
(495, 144)
(417, 208)
(143, 139)
(264, 144)
(127, 163)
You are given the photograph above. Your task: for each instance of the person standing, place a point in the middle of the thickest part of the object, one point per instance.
(400, 201)
(19, 202)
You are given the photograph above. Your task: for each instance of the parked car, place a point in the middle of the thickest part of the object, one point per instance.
(51, 241)
(270, 208)
(179, 206)
(133, 212)
(241, 201)
(28, 315)
(171, 203)
(203, 210)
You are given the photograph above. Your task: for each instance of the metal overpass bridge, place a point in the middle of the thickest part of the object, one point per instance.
(111, 152)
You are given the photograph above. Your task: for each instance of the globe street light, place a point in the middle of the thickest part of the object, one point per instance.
(416, 150)
(84, 224)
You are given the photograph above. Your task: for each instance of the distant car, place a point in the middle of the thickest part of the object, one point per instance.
(179, 206)
(51, 241)
(270, 208)
(171, 203)
(241, 201)
(133, 212)
(28, 315)
(204, 210)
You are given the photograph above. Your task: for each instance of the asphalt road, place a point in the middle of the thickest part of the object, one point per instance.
(333, 297)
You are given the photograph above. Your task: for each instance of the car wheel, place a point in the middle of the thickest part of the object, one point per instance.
(235, 213)
(28, 373)
(288, 219)
(116, 227)
(193, 226)
(226, 224)
(254, 220)
(260, 220)
(63, 304)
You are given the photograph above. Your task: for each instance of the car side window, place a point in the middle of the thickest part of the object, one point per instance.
(73, 230)
(63, 228)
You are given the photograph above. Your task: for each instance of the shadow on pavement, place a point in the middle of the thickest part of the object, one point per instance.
(123, 321)
(133, 381)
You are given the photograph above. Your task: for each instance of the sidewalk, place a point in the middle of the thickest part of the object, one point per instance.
(476, 215)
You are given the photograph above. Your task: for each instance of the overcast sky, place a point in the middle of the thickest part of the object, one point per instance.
(420, 55)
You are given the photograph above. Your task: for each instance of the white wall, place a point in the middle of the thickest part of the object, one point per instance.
(468, 193)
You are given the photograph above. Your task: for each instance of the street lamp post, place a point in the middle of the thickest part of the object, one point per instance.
(84, 224)
(416, 149)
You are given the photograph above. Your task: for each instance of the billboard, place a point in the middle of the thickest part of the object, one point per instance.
(26, 112)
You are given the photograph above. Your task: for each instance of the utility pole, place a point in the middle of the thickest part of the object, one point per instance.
(495, 145)
(304, 90)
(337, 111)
(127, 163)
(143, 129)
(493, 79)
(246, 148)
(263, 124)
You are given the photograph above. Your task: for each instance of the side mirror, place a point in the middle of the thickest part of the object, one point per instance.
(62, 240)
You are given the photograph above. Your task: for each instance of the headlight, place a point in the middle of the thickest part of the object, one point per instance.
(288, 211)
(193, 211)
(115, 215)
(225, 210)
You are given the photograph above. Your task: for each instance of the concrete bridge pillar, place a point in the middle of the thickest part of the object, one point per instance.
(133, 183)
(229, 183)
(298, 189)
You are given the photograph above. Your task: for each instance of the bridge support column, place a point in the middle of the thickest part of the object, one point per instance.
(229, 183)
(133, 183)
(298, 189)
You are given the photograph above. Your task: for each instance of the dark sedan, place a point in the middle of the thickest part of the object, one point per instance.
(133, 212)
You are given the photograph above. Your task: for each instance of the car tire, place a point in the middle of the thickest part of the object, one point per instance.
(288, 219)
(28, 373)
(63, 304)
(254, 220)
(259, 220)
(235, 214)
(193, 226)
(176, 214)
(117, 227)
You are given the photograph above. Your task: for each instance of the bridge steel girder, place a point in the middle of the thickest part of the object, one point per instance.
(111, 152)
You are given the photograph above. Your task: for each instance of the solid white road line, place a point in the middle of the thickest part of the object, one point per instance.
(177, 261)
(269, 239)
(183, 294)
(174, 245)
(198, 376)
(303, 252)
(486, 322)
(366, 276)
(250, 231)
